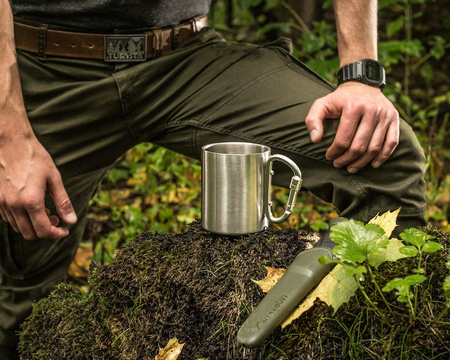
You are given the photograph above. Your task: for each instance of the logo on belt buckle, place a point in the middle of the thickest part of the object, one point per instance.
(125, 48)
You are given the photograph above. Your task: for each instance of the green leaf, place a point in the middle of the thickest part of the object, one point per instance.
(357, 240)
(403, 286)
(326, 260)
(419, 270)
(447, 287)
(409, 250)
(284, 27)
(431, 246)
(427, 72)
(438, 50)
(357, 272)
(415, 237)
(414, 279)
(395, 26)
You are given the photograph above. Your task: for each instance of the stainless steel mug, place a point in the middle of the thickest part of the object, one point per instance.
(236, 183)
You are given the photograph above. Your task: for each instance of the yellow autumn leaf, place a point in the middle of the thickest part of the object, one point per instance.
(335, 289)
(390, 253)
(272, 277)
(171, 351)
(137, 179)
(387, 221)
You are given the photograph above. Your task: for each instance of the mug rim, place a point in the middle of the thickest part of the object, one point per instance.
(238, 146)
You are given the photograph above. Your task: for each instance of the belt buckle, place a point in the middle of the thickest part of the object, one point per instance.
(125, 47)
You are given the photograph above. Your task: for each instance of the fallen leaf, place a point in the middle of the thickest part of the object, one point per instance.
(137, 180)
(391, 253)
(388, 221)
(79, 268)
(272, 277)
(171, 351)
(335, 289)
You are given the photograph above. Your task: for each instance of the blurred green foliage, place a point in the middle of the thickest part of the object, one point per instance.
(155, 189)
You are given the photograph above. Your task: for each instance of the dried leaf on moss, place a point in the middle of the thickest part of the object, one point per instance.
(335, 289)
(272, 277)
(171, 351)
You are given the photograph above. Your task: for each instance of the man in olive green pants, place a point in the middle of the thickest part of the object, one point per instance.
(83, 114)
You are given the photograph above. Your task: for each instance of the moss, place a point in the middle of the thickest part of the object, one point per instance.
(48, 325)
(196, 286)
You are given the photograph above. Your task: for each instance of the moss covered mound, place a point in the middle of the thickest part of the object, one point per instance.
(196, 287)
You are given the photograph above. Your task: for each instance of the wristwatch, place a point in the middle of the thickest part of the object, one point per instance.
(366, 71)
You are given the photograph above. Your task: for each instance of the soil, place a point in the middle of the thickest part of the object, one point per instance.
(197, 287)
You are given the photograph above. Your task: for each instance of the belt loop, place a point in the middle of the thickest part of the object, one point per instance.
(175, 31)
(194, 25)
(157, 42)
(42, 41)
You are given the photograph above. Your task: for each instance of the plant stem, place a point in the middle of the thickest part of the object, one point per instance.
(407, 316)
(416, 291)
(436, 321)
(374, 307)
(303, 26)
(372, 276)
(408, 35)
(425, 58)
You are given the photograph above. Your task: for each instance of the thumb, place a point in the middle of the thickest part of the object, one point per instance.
(314, 121)
(61, 199)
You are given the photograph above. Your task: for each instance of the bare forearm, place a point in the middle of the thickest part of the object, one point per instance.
(13, 119)
(356, 22)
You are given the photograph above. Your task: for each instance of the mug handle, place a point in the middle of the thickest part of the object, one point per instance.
(296, 182)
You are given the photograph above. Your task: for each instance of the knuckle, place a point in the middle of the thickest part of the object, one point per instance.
(374, 110)
(31, 203)
(382, 158)
(392, 113)
(374, 149)
(29, 236)
(42, 234)
(356, 106)
(358, 150)
(342, 144)
(310, 121)
(392, 144)
(42, 231)
(65, 204)
(11, 201)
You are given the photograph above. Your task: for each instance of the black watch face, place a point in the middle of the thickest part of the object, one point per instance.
(372, 72)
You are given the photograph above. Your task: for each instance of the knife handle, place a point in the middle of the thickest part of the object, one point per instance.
(300, 278)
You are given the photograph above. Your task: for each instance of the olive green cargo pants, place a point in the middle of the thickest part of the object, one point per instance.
(87, 113)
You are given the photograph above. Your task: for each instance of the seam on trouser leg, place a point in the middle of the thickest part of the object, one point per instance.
(124, 102)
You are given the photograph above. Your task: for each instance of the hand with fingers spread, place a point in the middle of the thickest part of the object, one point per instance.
(368, 131)
(27, 172)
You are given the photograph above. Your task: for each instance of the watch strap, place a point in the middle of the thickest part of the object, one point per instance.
(349, 72)
(362, 71)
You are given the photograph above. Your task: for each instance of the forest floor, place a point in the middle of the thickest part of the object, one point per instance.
(196, 289)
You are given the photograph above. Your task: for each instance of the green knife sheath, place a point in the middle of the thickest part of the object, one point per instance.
(304, 274)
